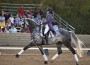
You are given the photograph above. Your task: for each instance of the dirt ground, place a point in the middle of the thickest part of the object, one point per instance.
(34, 57)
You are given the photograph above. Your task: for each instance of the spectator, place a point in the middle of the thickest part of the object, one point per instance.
(11, 19)
(3, 13)
(29, 16)
(35, 12)
(41, 12)
(21, 11)
(28, 13)
(8, 23)
(17, 21)
(7, 16)
(2, 21)
(13, 29)
(6, 30)
(0, 18)
(39, 18)
(1, 30)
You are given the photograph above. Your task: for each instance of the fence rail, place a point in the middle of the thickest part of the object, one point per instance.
(63, 23)
(22, 39)
(49, 48)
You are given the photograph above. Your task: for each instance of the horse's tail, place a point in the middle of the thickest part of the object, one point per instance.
(78, 43)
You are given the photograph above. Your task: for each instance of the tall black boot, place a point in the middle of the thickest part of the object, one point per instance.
(46, 38)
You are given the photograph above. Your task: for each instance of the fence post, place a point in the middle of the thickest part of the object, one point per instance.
(88, 52)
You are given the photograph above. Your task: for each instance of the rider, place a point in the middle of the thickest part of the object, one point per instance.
(49, 18)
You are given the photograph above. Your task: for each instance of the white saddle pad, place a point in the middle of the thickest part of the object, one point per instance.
(46, 29)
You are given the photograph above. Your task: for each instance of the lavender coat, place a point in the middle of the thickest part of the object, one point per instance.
(49, 21)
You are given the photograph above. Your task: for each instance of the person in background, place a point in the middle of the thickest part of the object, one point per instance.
(0, 20)
(13, 29)
(8, 23)
(6, 30)
(28, 12)
(1, 30)
(39, 18)
(7, 15)
(17, 21)
(12, 19)
(21, 11)
(3, 21)
(41, 11)
(29, 16)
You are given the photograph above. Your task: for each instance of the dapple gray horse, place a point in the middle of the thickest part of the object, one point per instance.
(65, 37)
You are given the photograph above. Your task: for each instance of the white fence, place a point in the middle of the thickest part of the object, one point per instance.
(49, 48)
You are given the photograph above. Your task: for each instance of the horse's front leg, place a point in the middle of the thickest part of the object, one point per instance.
(44, 55)
(22, 50)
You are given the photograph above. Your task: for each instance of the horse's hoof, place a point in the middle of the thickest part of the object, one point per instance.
(17, 56)
(51, 61)
(77, 63)
(46, 62)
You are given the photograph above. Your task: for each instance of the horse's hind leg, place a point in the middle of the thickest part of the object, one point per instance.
(22, 50)
(59, 51)
(68, 45)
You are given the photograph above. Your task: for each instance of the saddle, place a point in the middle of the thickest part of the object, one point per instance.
(46, 34)
(45, 31)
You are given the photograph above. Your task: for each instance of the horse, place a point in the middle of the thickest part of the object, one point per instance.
(64, 37)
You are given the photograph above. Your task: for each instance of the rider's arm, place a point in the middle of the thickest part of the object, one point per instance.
(48, 19)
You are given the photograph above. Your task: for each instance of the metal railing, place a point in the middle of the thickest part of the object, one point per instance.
(63, 23)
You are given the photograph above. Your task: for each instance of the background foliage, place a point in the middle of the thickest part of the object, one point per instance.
(75, 12)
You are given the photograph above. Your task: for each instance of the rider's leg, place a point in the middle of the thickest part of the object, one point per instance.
(46, 37)
(43, 28)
